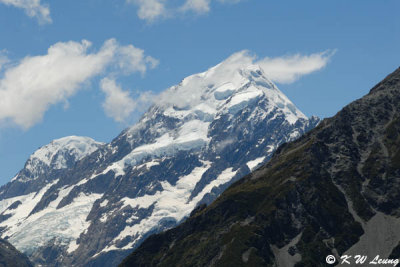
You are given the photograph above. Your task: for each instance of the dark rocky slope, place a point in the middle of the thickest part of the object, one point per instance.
(336, 190)
(10, 257)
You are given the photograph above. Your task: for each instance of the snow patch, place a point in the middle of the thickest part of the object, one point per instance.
(72, 247)
(243, 99)
(253, 164)
(65, 224)
(104, 203)
(223, 178)
(151, 164)
(282, 256)
(191, 135)
(172, 203)
(224, 91)
(381, 235)
(19, 214)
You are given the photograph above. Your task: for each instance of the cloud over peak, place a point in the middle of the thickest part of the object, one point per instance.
(288, 69)
(283, 69)
(231, 71)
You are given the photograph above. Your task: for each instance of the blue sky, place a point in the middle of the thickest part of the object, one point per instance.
(165, 42)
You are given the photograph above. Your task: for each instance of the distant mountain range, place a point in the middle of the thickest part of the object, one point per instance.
(78, 202)
(334, 191)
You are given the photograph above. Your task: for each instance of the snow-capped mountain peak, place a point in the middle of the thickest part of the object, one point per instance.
(59, 154)
(186, 111)
(76, 146)
(224, 88)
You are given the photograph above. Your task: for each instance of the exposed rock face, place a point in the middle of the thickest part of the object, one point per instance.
(334, 191)
(201, 136)
(10, 257)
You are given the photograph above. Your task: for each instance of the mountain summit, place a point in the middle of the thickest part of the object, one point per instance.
(198, 138)
(334, 191)
(43, 165)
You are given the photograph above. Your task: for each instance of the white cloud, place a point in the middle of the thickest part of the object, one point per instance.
(133, 59)
(229, 1)
(119, 104)
(33, 8)
(198, 6)
(28, 89)
(151, 10)
(288, 69)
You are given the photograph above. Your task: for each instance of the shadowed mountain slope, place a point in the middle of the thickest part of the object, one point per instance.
(11, 257)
